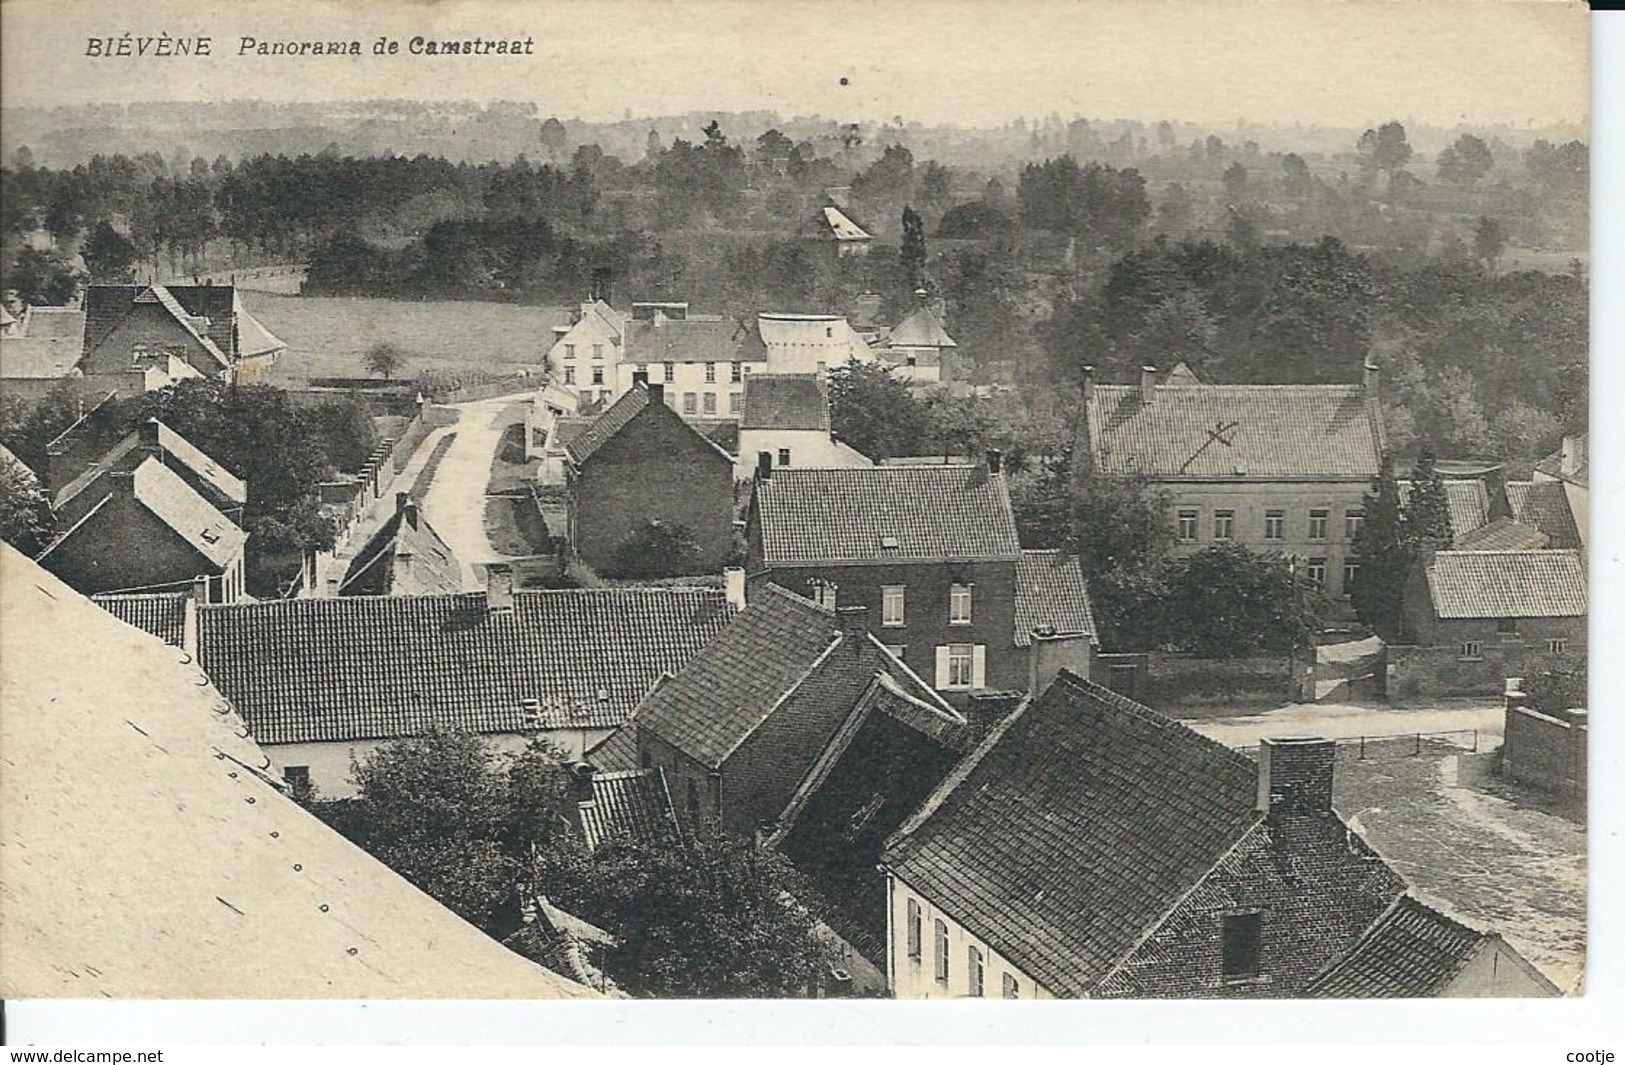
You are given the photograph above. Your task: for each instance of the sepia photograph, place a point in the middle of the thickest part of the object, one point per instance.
(716, 500)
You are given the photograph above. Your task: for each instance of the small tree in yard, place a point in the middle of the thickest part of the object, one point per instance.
(1489, 242)
(384, 359)
(1225, 601)
(25, 512)
(1426, 524)
(658, 549)
(874, 411)
(1555, 691)
(1385, 558)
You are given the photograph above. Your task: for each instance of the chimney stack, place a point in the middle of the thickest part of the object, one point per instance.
(1295, 776)
(1148, 384)
(498, 587)
(764, 465)
(1051, 652)
(1088, 384)
(1495, 488)
(149, 434)
(640, 377)
(407, 508)
(854, 620)
(657, 393)
(1371, 377)
(733, 586)
(581, 774)
(995, 460)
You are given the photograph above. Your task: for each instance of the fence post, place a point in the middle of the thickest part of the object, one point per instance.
(1475, 741)
(1417, 753)
(1362, 748)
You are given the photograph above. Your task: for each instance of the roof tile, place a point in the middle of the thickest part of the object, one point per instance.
(1507, 584)
(1051, 593)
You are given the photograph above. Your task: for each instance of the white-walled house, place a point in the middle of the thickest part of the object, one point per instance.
(919, 347)
(786, 417)
(810, 343)
(584, 354)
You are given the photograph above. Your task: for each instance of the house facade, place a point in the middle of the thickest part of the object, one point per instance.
(702, 361)
(141, 337)
(584, 354)
(930, 553)
(1279, 469)
(786, 418)
(640, 463)
(810, 343)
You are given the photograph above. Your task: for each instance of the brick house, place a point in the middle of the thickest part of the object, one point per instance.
(1473, 618)
(639, 463)
(931, 553)
(148, 530)
(320, 681)
(786, 418)
(737, 730)
(1092, 848)
(152, 439)
(141, 337)
(1276, 468)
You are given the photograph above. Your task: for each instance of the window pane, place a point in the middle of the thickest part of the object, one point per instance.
(913, 929)
(975, 973)
(891, 604)
(941, 935)
(1011, 988)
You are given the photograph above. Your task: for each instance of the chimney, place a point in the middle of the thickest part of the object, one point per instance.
(1495, 488)
(1371, 377)
(1052, 652)
(764, 465)
(1148, 385)
(995, 460)
(149, 434)
(498, 587)
(581, 774)
(1573, 455)
(640, 377)
(733, 586)
(1295, 775)
(854, 620)
(657, 393)
(407, 508)
(1088, 384)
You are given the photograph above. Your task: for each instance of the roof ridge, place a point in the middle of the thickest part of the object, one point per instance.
(795, 686)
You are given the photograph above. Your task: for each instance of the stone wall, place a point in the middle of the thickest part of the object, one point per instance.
(1414, 672)
(1546, 751)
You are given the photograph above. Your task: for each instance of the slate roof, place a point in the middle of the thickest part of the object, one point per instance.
(785, 401)
(108, 305)
(1291, 432)
(690, 340)
(404, 557)
(628, 803)
(1412, 951)
(920, 329)
(618, 750)
(209, 532)
(1467, 499)
(1502, 534)
(66, 323)
(227, 487)
(1545, 505)
(1073, 828)
(1051, 593)
(252, 337)
(384, 667)
(581, 445)
(30, 358)
(1507, 584)
(854, 514)
(160, 614)
(768, 651)
(841, 226)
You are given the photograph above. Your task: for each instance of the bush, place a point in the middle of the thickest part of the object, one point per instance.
(658, 549)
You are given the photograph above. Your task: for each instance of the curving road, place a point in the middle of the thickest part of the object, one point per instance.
(455, 502)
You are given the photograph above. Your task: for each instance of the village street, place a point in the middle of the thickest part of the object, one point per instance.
(455, 502)
(1350, 721)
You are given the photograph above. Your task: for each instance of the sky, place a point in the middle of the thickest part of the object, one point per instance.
(971, 62)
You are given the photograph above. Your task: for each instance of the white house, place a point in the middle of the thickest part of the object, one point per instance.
(810, 343)
(585, 353)
(786, 417)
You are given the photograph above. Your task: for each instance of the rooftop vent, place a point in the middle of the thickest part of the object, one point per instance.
(888, 543)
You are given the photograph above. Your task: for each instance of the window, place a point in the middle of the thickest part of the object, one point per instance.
(710, 373)
(959, 604)
(784, 456)
(913, 929)
(710, 403)
(1187, 525)
(891, 604)
(1471, 650)
(1275, 525)
(597, 375)
(940, 936)
(1558, 646)
(1316, 570)
(598, 351)
(734, 400)
(897, 650)
(1506, 626)
(1224, 524)
(1317, 524)
(961, 665)
(1243, 935)
(975, 971)
(569, 351)
(671, 372)
(823, 593)
(569, 375)
(1351, 573)
(736, 373)
(1011, 988)
(691, 403)
(1353, 522)
(297, 778)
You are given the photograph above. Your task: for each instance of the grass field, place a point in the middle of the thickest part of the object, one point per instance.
(329, 336)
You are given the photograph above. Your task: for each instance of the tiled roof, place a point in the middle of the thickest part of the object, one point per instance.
(690, 340)
(618, 750)
(628, 803)
(768, 651)
(582, 445)
(385, 667)
(921, 329)
(885, 513)
(1077, 824)
(1507, 584)
(209, 532)
(66, 323)
(161, 614)
(28, 358)
(1226, 432)
(1502, 534)
(1412, 951)
(1545, 505)
(1467, 499)
(841, 227)
(785, 401)
(228, 488)
(1051, 593)
(252, 337)
(404, 557)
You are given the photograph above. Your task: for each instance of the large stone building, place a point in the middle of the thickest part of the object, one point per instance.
(1276, 468)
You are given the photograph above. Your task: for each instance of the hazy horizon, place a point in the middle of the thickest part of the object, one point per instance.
(1337, 63)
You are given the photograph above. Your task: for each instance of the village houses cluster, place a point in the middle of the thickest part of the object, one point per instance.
(860, 665)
